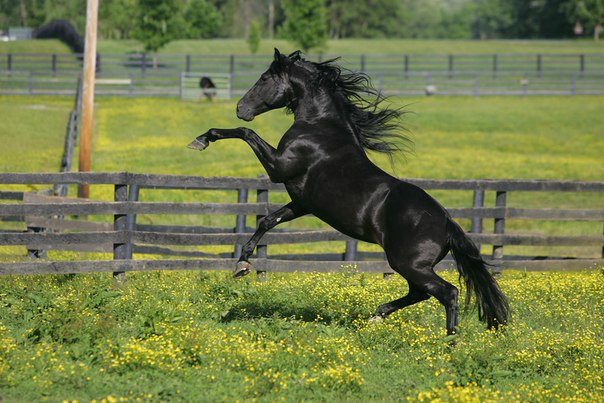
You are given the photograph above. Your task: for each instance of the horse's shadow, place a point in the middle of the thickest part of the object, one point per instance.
(250, 310)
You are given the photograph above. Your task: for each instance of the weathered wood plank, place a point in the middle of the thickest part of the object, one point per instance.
(160, 238)
(57, 224)
(4, 195)
(529, 214)
(269, 265)
(46, 178)
(508, 185)
(67, 238)
(78, 207)
(90, 266)
(196, 182)
(128, 207)
(538, 240)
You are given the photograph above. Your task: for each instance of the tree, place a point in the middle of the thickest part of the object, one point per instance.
(361, 19)
(305, 23)
(158, 22)
(253, 37)
(117, 18)
(588, 12)
(203, 19)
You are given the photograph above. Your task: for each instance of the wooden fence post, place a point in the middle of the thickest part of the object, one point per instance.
(499, 228)
(120, 223)
(350, 253)
(231, 74)
(478, 201)
(539, 65)
(133, 195)
(261, 249)
(143, 64)
(242, 195)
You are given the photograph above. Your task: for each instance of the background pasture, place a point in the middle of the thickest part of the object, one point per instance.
(335, 47)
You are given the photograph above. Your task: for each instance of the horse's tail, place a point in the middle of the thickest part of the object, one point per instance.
(493, 307)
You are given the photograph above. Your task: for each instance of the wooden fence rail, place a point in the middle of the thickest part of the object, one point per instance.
(55, 223)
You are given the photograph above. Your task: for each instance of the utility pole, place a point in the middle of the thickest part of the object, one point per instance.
(92, 10)
(271, 19)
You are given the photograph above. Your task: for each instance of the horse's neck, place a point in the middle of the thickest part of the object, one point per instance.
(316, 109)
(318, 105)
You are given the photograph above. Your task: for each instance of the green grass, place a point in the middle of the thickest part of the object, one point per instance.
(486, 137)
(202, 336)
(334, 47)
(197, 336)
(32, 132)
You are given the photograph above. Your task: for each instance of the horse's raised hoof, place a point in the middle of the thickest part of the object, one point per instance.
(199, 144)
(243, 268)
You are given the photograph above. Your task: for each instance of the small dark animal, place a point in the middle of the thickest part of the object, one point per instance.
(207, 87)
(321, 159)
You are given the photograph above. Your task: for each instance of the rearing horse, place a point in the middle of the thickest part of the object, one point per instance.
(321, 160)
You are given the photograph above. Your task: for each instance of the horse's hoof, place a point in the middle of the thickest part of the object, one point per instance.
(199, 144)
(376, 319)
(243, 268)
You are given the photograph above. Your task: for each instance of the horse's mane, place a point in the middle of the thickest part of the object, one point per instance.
(377, 126)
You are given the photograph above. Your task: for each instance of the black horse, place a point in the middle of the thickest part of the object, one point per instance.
(321, 160)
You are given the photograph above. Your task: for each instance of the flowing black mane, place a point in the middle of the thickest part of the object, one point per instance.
(377, 126)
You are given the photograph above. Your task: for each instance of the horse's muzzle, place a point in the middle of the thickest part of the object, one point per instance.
(245, 113)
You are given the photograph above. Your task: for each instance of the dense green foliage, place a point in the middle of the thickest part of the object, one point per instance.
(198, 336)
(305, 23)
(180, 19)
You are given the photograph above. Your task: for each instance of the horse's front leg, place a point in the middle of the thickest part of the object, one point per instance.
(203, 141)
(286, 213)
(266, 154)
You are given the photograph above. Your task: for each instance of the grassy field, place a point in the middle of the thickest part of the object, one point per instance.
(337, 47)
(201, 336)
(170, 336)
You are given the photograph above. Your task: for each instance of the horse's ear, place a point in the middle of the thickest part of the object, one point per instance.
(277, 55)
(295, 56)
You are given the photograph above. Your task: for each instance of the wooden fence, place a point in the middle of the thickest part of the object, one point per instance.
(56, 223)
(404, 74)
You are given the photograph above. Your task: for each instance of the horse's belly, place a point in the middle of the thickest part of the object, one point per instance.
(355, 211)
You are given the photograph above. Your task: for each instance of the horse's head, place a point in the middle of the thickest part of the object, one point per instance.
(272, 91)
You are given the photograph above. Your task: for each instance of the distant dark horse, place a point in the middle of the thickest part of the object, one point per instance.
(321, 160)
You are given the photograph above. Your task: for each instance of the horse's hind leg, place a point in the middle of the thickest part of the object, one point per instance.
(414, 296)
(423, 283)
(446, 293)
